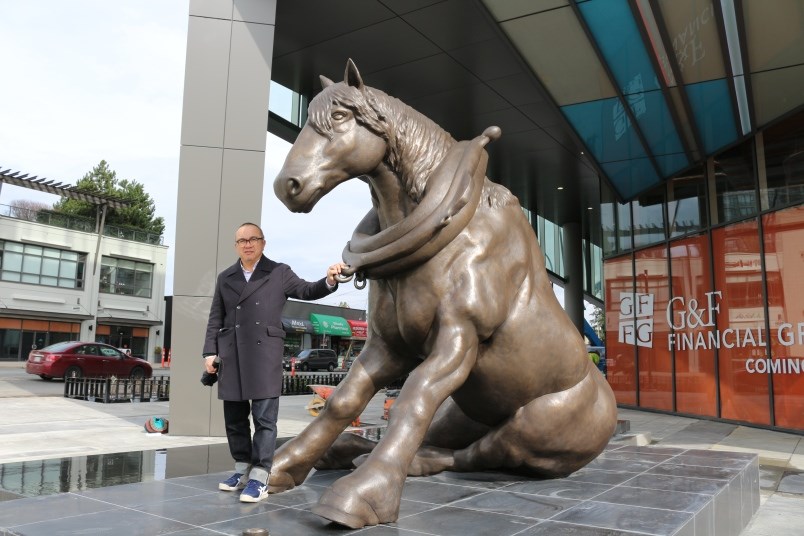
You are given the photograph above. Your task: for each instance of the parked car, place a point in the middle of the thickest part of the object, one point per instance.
(313, 359)
(74, 359)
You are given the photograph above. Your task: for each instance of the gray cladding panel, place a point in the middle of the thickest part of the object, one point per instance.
(191, 403)
(205, 81)
(197, 221)
(248, 86)
(259, 11)
(216, 9)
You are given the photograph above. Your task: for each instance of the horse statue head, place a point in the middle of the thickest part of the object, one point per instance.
(497, 376)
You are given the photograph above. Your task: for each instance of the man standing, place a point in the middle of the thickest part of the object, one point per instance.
(244, 343)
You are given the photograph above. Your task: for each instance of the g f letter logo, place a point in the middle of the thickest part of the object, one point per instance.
(636, 319)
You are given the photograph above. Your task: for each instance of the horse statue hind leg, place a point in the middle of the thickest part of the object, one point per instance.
(498, 376)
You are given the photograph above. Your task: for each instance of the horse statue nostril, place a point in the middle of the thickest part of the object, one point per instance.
(294, 186)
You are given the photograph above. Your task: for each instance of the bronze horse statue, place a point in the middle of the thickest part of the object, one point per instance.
(498, 376)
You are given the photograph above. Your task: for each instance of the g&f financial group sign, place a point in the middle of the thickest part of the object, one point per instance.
(694, 327)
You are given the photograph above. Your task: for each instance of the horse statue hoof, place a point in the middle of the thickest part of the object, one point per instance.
(329, 507)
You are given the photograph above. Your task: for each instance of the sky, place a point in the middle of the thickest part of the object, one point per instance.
(92, 80)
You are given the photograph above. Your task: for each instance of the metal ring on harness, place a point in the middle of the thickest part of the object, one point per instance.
(346, 276)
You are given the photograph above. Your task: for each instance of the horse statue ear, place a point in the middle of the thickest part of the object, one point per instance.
(352, 77)
(325, 82)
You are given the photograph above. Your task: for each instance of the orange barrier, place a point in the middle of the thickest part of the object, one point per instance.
(165, 358)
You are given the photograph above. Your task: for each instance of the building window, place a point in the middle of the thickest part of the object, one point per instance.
(686, 208)
(784, 164)
(130, 278)
(649, 226)
(735, 183)
(38, 265)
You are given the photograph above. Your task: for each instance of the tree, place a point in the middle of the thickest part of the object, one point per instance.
(599, 322)
(103, 181)
(26, 209)
(344, 305)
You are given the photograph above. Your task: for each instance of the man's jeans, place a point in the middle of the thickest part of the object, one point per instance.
(256, 453)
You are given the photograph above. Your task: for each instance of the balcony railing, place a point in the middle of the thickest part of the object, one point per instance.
(78, 223)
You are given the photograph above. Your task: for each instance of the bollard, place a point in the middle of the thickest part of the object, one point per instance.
(256, 532)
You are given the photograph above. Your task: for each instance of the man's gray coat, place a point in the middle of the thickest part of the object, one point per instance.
(245, 327)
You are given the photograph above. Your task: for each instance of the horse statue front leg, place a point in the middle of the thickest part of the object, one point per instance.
(376, 367)
(372, 493)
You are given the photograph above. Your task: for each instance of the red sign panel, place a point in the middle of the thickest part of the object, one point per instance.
(359, 328)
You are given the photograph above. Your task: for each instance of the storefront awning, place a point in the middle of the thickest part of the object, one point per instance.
(297, 325)
(122, 321)
(330, 325)
(359, 329)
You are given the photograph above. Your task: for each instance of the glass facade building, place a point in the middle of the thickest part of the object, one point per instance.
(703, 295)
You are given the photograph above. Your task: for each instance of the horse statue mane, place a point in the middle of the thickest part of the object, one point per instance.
(460, 303)
(416, 144)
(417, 149)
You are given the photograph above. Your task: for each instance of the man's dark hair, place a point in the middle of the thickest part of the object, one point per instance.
(253, 225)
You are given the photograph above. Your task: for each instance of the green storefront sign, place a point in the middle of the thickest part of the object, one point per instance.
(330, 325)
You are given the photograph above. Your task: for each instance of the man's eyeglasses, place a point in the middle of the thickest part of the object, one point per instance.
(253, 240)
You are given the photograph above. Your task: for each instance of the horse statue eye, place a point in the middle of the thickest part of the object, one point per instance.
(338, 115)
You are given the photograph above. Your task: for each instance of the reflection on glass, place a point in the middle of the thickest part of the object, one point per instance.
(608, 220)
(741, 323)
(649, 218)
(655, 367)
(784, 164)
(624, 226)
(686, 210)
(620, 353)
(735, 183)
(695, 363)
(784, 244)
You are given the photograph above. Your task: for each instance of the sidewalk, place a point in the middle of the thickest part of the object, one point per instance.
(46, 428)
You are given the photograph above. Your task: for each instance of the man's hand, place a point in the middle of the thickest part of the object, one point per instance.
(334, 270)
(209, 363)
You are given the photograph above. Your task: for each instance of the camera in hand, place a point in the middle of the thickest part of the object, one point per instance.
(208, 378)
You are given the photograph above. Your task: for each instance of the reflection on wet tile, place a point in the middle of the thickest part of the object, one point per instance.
(722, 454)
(487, 479)
(562, 488)
(633, 466)
(674, 483)
(120, 521)
(628, 518)
(670, 451)
(208, 508)
(668, 500)
(713, 473)
(595, 476)
(436, 493)
(326, 477)
(301, 497)
(131, 495)
(281, 521)
(636, 456)
(553, 528)
(449, 521)
(711, 461)
(45, 508)
(519, 504)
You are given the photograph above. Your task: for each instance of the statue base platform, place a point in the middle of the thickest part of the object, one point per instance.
(627, 490)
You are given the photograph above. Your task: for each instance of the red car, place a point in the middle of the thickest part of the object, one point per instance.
(74, 359)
